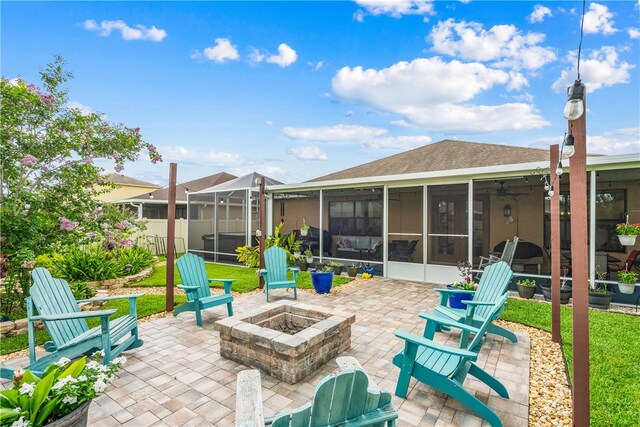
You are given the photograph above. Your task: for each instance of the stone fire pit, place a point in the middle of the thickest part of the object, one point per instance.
(286, 340)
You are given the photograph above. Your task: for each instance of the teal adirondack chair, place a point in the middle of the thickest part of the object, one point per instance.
(276, 273)
(66, 325)
(493, 284)
(348, 398)
(445, 368)
(196, 286)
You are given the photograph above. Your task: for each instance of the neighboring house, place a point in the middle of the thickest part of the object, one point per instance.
(153, 206)
(126, 187)
(408, 214)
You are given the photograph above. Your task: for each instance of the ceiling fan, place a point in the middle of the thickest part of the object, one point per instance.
(504, 191)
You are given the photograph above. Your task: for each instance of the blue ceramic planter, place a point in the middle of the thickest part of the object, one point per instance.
(455, 300)
(322, 281)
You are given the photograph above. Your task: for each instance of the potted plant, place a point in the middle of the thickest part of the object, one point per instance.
(309, 256)
(627, 281)
(337, 267)
(526, 288)
(352, 270)
(304, 230)
(61, 397)
(322, 280)
(627, 233)
(303, 264)
(467, 284)
(599, 296)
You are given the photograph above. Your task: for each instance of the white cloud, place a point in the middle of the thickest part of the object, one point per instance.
(85, 110)
(394, 8)
(316, 65)
(285, 57)
(427, 92)
(336, 133)
(397, 142)
(539, 12)
(308, 153)
(208, 157)
(504, 44)
(599, 20)
(402, 123)
(601, 68)
(222, 51)
(255, 55)
(140, 32)
(610, 143)
(634, 33)
(268, 122)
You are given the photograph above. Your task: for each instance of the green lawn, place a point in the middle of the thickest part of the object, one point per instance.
(246, 279)
(146, 306)
(614, 357)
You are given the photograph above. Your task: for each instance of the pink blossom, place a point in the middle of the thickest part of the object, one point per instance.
(118, 168)
(123, 225)
(126, 243)
(66, 224)
(87, 160)
(136, 130)
(28, 264)
(98, 180)
(32, 88)
(155, 158)
(29, 160)
(92, 234)
(117, 156)
(47, 98)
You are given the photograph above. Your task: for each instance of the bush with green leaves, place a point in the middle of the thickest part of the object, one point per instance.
(133, 260)
(89, 263)
(250, 255)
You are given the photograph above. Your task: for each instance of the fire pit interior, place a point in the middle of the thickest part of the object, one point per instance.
(287, 341)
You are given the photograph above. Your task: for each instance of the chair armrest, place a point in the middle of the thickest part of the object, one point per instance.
(418, 340)
(293, 269)
(226, 282)
(76, 315)
(249, 411)
(480, 302)
(186, 287)
(111, 298)
(448, 322)
(454, 291)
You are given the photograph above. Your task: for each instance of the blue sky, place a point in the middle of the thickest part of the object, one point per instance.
(296, 90)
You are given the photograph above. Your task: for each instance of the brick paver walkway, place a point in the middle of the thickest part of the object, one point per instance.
(178, 378)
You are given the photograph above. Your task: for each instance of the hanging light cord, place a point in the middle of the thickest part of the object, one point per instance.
(581, 34)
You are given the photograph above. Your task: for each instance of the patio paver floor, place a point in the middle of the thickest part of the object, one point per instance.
(178, 377)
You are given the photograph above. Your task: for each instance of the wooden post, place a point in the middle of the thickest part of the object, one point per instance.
(263, 225)
(555, 246)
(171, 234)
(580, 271)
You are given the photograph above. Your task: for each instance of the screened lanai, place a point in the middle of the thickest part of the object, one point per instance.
(224, 217)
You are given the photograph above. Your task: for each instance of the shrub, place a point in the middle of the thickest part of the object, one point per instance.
(82, 290)
(87, 264)
(133, 260)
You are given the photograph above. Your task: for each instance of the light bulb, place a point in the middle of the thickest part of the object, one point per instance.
(569, 147)
(551, 192)
(546, 187)
(559, 169)
(575, 104)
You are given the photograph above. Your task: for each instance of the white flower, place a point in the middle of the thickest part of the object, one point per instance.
(70, 400)
(27, 388)
(62, 382)
(99, 353)
(102, 377)
(82, 378)
(62, 362)
(20, 423)
(119, 360)
(93, 365)
(16, 409)
(99, 386)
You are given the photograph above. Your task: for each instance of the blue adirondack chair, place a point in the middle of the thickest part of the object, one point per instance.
(345, 399)
(196, 286)
(445, 368)
(493, 284)
(66, 325)
(276, 273)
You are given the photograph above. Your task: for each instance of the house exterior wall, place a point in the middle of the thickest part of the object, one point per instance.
(123, 192)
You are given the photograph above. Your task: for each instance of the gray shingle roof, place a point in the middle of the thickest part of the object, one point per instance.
(120, 179)
(442, 155)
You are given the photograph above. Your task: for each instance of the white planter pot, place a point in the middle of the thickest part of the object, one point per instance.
(297, 255)
(309, 259)
(626, 289)
(304, 232)
(627, 240)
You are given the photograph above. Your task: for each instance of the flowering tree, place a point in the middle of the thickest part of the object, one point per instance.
(49, 181)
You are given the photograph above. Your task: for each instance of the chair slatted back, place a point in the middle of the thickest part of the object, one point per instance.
(54, 296)
(509, 251)
(338, 398)
(494, 313)
(193, 273)
(275, 259)
(493, 284)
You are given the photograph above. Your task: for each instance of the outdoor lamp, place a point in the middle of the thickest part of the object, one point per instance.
(559, 169)
(569, 148)
(575, 105)
(551, 192)
(507, 211)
